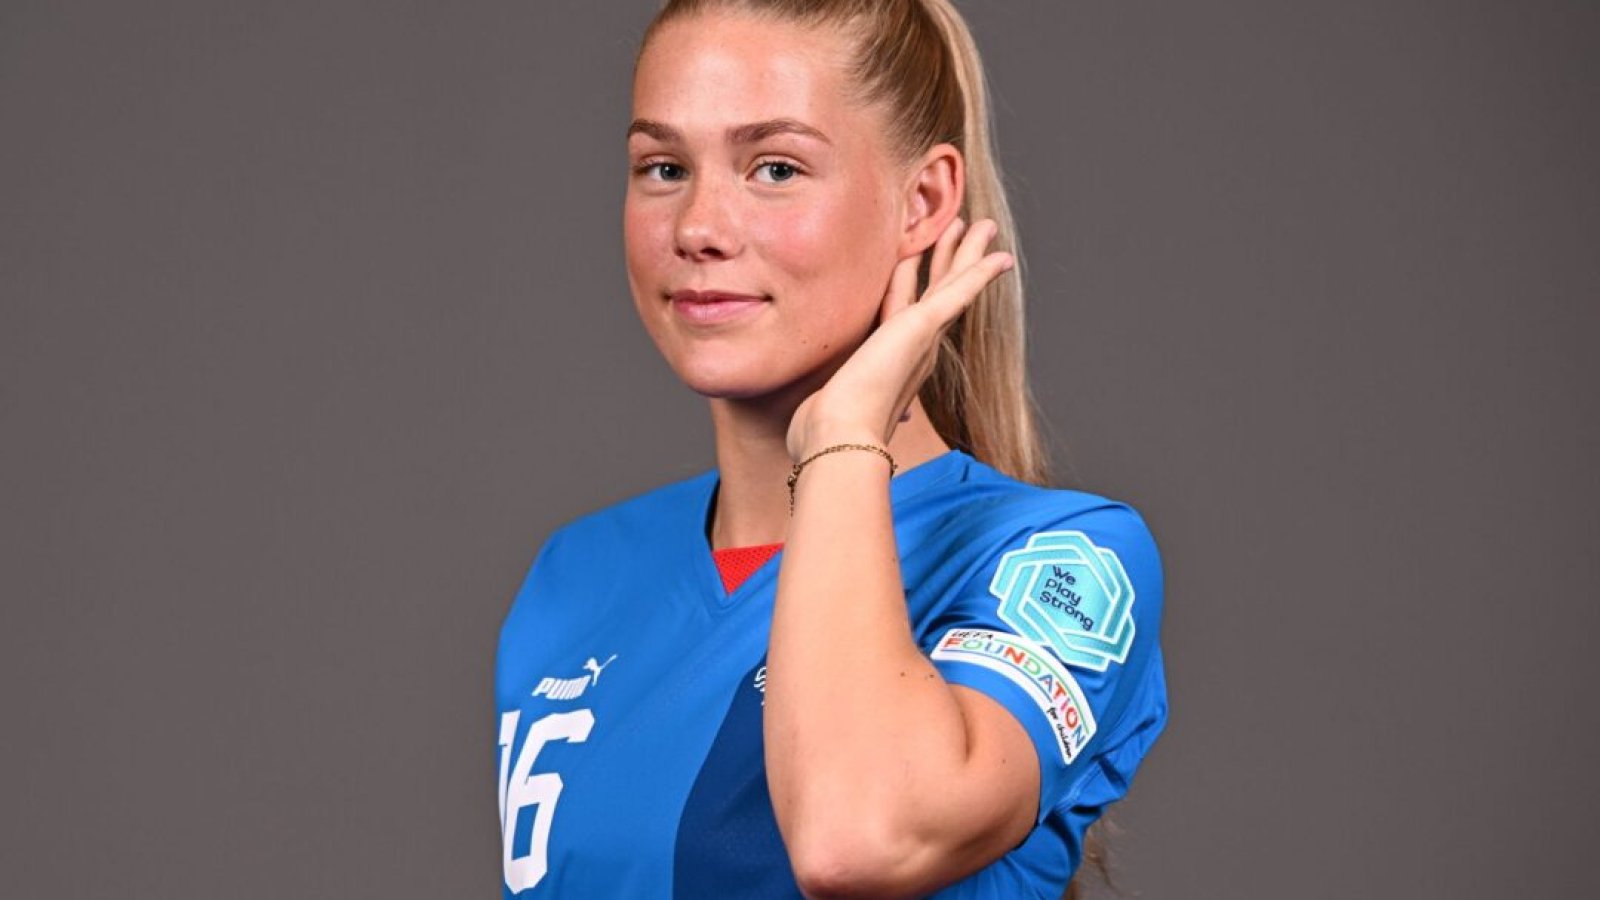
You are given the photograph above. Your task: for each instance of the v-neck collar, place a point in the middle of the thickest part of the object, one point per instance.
(709, 581)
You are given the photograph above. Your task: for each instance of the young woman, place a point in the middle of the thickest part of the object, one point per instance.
(868, 654)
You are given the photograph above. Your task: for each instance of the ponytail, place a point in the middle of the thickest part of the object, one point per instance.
(978, 395)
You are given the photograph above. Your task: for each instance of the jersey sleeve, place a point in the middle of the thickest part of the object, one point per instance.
(1059, 622)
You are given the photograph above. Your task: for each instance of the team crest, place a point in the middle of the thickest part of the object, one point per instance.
(1064, 592)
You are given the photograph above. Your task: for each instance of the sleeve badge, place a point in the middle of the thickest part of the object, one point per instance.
(1065, 593)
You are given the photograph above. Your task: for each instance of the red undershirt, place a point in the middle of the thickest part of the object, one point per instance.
(735, 564)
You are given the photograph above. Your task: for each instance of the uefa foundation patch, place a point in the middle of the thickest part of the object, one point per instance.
(1064, 592)
(1033, 669)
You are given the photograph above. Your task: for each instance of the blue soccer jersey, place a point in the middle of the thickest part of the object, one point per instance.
(629, 681)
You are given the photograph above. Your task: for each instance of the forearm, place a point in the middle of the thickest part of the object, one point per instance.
(862, 734)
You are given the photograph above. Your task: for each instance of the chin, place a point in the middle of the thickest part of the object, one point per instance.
(729, 388)
(726, 380)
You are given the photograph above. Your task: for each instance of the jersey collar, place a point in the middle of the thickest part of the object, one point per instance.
(902, 487)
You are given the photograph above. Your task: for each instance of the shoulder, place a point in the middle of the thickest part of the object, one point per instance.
(631, 531)
(989, 513)
(639, 532)
(623, 525)
(1077, 571)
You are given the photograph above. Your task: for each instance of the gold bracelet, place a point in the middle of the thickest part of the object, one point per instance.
(794, 475)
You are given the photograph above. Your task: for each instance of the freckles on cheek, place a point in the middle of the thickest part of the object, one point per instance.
(800, 241)
(644, 218)
(648, 233)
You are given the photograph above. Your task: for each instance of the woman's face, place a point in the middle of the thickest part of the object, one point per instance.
(752, 175)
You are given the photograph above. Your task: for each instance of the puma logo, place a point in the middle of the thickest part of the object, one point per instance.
(595, 667)
(573, 688)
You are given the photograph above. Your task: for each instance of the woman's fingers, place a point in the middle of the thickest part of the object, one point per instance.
(960, 248)
(974, 245)
(956, 274)
(944, 249)
(891, 366)
(902, 290)
(948, 300)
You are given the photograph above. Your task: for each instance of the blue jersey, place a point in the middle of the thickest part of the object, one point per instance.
(629, 682)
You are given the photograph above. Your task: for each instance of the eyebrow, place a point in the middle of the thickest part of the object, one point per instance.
(737, 134)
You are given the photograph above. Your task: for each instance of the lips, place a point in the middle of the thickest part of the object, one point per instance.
(714, 307)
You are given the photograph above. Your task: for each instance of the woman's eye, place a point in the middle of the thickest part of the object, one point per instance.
(781, 171)
(669, 171)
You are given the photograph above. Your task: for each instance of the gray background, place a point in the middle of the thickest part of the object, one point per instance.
(313, 323)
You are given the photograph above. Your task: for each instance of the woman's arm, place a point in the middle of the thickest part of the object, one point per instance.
(885, 779)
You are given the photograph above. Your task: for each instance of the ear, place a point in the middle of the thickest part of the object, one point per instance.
(934, 189)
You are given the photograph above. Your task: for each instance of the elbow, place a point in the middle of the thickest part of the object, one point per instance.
(844, 863)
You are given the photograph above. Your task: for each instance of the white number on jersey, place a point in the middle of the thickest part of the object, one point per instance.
(520, 789)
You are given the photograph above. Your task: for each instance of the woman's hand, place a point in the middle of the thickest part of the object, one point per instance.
(866, 398)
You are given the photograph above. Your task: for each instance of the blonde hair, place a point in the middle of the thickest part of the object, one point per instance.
(917, 60)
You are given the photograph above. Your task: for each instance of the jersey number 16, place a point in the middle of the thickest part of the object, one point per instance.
(520, 789)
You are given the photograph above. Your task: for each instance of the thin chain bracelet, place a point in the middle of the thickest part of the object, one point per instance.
(794, 475)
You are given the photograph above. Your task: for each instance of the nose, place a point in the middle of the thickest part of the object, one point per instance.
(705, 227)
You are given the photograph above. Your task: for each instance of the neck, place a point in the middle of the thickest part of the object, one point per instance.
(752, 500)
